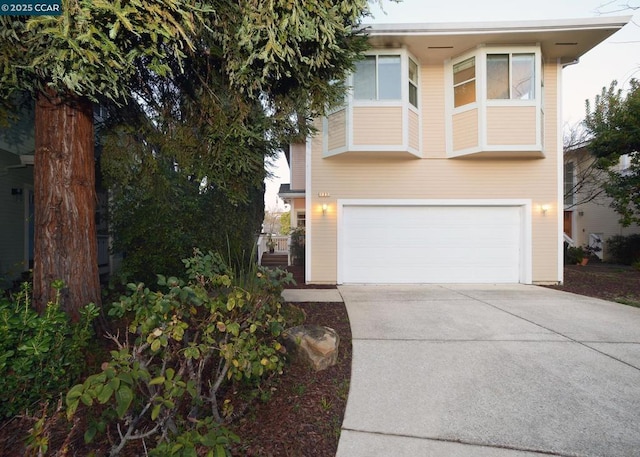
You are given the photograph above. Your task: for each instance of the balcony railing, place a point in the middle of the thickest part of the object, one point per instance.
(280, 245)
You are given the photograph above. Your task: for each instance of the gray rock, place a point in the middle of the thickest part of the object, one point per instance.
(313, 344)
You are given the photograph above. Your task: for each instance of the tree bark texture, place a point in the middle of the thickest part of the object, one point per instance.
(65, 245)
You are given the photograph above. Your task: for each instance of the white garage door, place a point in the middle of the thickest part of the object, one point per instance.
(430, 244)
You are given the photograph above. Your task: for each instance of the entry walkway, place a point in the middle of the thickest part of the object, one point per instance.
(490, 370)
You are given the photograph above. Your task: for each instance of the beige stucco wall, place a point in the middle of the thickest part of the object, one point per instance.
(435, 177)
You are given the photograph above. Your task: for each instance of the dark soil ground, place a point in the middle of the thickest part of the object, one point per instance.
(619, 283)
(302, 414)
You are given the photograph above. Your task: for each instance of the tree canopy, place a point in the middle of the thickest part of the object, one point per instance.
(204, 88)
(613, 124)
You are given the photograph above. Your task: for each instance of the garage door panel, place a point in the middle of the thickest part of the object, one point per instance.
(405, 244)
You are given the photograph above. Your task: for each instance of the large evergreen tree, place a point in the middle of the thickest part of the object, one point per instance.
(288, 54)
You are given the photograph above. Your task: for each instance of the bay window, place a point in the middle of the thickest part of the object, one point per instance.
(511, 76)
(378, 78)
(464, 82)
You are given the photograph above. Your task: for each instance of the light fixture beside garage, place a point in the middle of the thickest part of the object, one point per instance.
(544, 209)
(324, 205)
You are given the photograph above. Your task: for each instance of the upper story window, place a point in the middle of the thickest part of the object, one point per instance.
(569, 183)
(496, 74)
(464, 82)
(413, 83)
(378, 78)
(387, 77)
(511, 76)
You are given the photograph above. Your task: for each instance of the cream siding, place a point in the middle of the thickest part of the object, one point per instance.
(465, 130)
(436, 178)
(298, 166)
(377, 126)
(414, 130)
(337, 130)
(433, 111)
(511, 125)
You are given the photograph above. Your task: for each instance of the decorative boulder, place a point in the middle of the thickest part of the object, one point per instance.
(313, 344)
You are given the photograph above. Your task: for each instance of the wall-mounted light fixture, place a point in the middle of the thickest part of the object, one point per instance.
(16, 191)
(324, 208)
(544, 209)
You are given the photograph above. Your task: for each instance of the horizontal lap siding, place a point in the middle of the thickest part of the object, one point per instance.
(508, 125)
(337, 130)
(414, 130)
(377, 126)
(435, 177)
(433, 104)
(465, 130)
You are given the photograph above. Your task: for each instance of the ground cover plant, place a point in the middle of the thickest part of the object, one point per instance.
(291, 414)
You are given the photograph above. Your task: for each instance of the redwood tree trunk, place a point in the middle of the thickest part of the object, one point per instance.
(65, 245)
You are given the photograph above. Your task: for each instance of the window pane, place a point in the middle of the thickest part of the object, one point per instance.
(522, 80)
(569, 178)
(413, 71)
(364, 79)
(464, 93)
(413, 95)
(389, 78)
(498, 76)
(464, 71)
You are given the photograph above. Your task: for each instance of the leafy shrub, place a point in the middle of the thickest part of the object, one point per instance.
(40, 356)
(623, 249)
(192, 338)
(574, 255)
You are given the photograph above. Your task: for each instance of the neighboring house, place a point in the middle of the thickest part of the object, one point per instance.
(589, 219)
(445, 163)
(16, 204)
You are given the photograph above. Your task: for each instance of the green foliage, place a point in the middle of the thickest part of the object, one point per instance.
(574, 255)
(285, 223)
(156, 226)
(623, 249)
(191, 339)
(40, 355)
(613, 122)
(92, 48)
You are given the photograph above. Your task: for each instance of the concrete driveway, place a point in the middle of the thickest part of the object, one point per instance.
(490, 370)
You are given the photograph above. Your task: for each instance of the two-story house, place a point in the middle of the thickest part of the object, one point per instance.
(445, 162)
(589, 219)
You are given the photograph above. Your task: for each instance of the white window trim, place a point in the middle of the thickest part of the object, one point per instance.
(482, 103)
(403, 103)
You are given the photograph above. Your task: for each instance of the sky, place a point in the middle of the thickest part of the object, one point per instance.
(617, 58)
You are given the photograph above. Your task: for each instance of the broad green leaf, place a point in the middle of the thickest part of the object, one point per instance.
(155, 412)
(124, 397)
(105, 394)
(156, 381)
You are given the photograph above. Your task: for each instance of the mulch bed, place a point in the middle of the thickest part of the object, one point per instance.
(298, 275)
(305, 412)
(602, 280)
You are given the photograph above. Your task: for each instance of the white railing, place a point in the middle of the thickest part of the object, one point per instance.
(280, 245)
